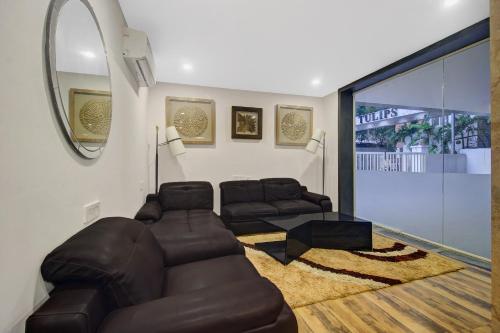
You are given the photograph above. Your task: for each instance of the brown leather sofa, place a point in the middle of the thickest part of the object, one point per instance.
(244, 202)
(117, 276)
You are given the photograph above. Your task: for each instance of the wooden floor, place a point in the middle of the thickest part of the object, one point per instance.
(453, 302)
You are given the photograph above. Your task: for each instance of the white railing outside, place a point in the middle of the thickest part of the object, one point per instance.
(391, 162)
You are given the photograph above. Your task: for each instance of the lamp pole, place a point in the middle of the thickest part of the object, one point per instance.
(156, 162)
(324, 154)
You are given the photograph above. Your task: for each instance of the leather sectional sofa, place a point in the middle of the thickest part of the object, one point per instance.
(182, 272)
(244, 202)
(182, 219)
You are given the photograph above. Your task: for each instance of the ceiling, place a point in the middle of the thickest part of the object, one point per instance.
(303, 47)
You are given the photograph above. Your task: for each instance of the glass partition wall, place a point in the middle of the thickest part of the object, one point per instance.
(423, 151)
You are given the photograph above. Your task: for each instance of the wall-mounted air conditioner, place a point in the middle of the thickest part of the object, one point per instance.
(139, 57)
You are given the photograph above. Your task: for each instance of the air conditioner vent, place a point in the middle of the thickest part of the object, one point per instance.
(139, 57)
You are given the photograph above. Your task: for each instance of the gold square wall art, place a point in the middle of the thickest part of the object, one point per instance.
(194, 119)
(89, 115)
(293, 125)
(246, 123)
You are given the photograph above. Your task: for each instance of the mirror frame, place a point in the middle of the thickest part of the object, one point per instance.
(56, 98)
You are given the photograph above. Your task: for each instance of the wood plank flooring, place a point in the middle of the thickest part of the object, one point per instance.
(452, 302)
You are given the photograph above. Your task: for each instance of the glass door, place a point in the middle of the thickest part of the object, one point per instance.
(423, 151)
(467, 168)
(399, 178)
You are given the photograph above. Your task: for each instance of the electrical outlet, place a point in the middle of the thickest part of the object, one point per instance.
(92, 212)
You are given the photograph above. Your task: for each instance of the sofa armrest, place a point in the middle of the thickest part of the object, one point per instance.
(78, 309)
(188, 247)
(152, 197)
(318, 199)
(150, 212)
(234, 307)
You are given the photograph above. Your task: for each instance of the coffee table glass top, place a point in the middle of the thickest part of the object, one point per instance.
(290, 222)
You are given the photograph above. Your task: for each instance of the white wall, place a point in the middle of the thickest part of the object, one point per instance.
(43, 184)
(229, 158)
(330, 104)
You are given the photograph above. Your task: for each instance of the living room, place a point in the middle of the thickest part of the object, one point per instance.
(215, 148)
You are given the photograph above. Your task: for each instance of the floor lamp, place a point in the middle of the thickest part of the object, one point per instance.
(176, 147)
(312, 147)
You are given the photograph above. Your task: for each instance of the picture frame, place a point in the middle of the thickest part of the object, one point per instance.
(194, 119)
(246, 123)
(89, 115)
(293, 125)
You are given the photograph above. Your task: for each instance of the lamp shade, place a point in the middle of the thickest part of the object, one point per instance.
(313, 144)
(174, 141)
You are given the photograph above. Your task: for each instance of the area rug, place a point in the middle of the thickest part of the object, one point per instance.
(321, 274)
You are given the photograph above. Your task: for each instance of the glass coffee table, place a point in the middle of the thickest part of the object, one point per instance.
(319, 230)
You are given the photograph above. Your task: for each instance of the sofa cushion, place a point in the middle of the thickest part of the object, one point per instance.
(119, 254)
(248, 210)
(296, 207)
(195, 246)
(254, 305)
(186, 195)
(188, 220)
(207, 273)
(178, 222)
(174, 216)
(169, 227)
(201, 219)
(281, 189)
(241, 191)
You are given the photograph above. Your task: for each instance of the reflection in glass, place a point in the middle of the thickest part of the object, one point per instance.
(80, 74)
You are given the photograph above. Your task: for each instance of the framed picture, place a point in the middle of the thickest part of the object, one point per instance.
(89, 115)
(246, 123)
(194, 119)
(293, 125)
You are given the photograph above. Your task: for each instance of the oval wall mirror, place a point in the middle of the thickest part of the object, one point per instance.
(78, 75)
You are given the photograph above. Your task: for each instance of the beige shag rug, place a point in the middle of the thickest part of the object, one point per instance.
(321, 274)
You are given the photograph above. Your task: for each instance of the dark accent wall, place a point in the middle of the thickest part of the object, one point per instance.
(455, 42)
(346, 152)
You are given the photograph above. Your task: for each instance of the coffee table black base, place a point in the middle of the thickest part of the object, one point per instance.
(355, 236)
(319, 234)
(277, 250)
